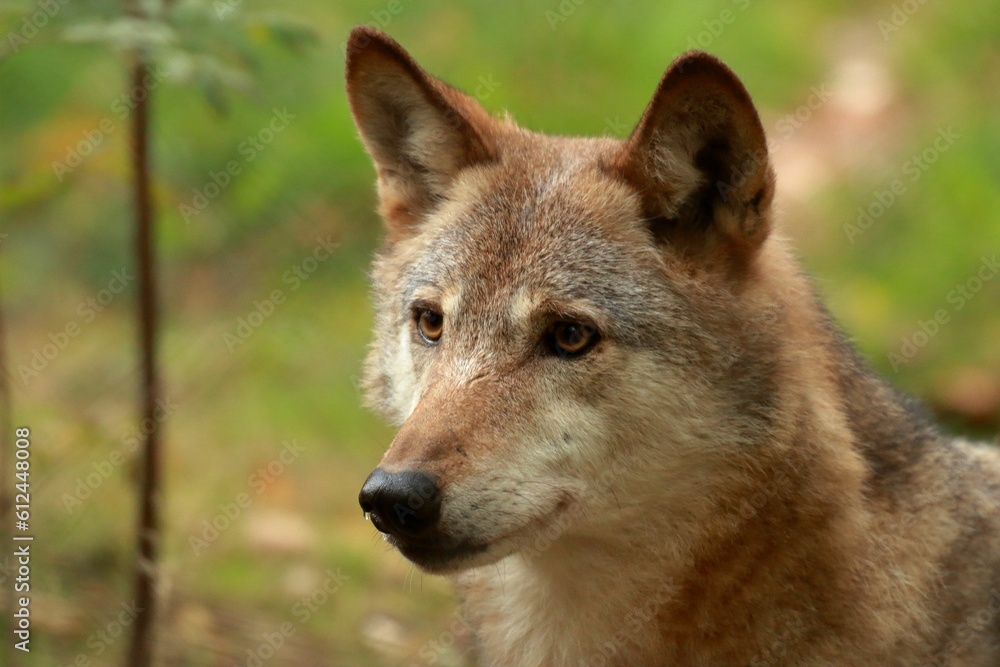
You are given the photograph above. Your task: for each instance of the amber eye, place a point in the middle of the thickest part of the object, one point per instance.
(430, 324)
(571, 339)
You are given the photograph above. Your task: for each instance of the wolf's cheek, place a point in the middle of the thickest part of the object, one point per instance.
(567, 436)
(534, 471)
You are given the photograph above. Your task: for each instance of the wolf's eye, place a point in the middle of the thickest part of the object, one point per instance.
(571, 339)
(430, 324)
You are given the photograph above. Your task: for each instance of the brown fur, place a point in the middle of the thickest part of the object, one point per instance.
(721, 480)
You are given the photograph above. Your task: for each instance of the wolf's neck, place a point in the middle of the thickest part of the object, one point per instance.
(568, 606)
(831, 394)
(888, 429)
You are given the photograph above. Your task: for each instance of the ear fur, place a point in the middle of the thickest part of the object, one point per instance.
(419, 131)
(698, 157)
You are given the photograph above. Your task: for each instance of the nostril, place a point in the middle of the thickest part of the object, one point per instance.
(406, 503)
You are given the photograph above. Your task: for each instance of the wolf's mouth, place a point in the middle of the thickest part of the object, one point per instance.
(440, 555)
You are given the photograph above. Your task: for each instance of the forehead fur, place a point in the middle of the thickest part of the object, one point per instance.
(544, 224)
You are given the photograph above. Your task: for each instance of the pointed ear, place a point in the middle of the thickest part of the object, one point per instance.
(419, 132)
(698, 157)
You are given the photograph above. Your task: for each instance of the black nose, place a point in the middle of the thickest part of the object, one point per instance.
(404, 504)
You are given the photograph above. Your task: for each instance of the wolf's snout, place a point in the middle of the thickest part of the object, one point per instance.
(403, 504)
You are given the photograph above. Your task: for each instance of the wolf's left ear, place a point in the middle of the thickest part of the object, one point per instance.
(699, 159)
(419, 131)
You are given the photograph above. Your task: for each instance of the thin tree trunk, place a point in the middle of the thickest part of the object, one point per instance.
(148, 528)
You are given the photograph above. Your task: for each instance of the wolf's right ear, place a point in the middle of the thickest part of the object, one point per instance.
(419, 131)
(698, 158)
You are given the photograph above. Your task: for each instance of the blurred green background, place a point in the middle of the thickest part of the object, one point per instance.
(884, 120)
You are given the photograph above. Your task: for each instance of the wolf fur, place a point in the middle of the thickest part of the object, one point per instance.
(721, 480)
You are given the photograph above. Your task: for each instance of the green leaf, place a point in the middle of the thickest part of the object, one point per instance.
(124, 33)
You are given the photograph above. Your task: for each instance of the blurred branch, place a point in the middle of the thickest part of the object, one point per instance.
(149, 523)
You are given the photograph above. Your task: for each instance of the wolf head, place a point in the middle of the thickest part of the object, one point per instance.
(562, 323)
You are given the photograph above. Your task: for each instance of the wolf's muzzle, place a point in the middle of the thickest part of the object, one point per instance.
(402, 504)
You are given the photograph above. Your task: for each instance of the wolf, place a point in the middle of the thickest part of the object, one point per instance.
(629, 432)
